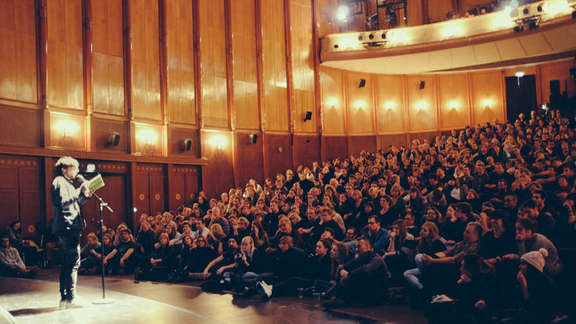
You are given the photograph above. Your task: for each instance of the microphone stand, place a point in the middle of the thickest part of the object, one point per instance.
(103, 204)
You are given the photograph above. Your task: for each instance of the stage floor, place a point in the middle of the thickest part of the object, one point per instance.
(36, 301)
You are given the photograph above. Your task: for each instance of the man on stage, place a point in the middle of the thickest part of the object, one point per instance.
(68, 223)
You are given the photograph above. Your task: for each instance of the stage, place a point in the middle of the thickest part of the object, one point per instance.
(36, 301)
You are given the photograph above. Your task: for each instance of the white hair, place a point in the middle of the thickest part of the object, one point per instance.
(66, 161)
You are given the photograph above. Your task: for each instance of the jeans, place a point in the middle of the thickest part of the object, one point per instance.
(70, 264)
(413, 276)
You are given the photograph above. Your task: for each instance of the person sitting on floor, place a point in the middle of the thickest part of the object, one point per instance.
(90, 257)
(122, 259)
(11, 263)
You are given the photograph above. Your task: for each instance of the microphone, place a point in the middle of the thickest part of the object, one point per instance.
(81, 178)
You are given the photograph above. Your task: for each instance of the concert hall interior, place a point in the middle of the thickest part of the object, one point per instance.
(288, 161)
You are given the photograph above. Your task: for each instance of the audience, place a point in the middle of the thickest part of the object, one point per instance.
(477, 216)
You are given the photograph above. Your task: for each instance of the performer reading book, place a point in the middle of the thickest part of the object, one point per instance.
(68, 223)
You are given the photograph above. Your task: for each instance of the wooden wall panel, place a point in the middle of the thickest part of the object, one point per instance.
(391, 140)
(18, 52)
(325, 17)
(278, 153)
(64, 66)
(335, 147)
(422, 103)
(102, 129)
(453, 101)
(333, 102)
(302, 64)
(20, 191)
(249, 159)
(145, 69)
(149, 190)
(274, 103)
(148, 139)
(114, 193)
(176, 138)
(557, 71)
(306, 150)
(183, 185)
(245, 99)
(212, 29)
(437, 10)
(415, 14)
(180, 58)
(108, 57)
(360, 104)
(66, 131)
(362, 143)
(389, 100)
(218, 175)
(487, 100)
(14, 121)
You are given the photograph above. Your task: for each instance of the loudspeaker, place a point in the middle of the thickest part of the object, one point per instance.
(308, 115)
(253, 138)
(362, 83)
(187, 144)
(422, 85)
(114, 139)
(573, 71)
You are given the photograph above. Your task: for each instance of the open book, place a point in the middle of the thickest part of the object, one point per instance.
(95, 183)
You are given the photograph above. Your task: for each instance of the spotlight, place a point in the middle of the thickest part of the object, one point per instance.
(342, 14)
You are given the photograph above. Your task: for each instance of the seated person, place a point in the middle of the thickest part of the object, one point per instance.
(528, 240)
(365, 278)
(440, 271)
(379, 237)
(11, 263)
(157, 267)
(122, 259)
(89, 255)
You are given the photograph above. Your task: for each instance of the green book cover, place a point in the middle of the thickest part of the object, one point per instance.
(96, 183)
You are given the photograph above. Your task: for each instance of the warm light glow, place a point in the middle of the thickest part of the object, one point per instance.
(487, 103)
(558, 7)
(454, 29)
(421, 105)
(218, 141)
(348, 42)
(342, 13)
(360, 104)
(398, 36)
(67, 127)
(454, 105)
(147, 136)
(390, 105)
(332, 103)
(520, 74)
(503, 20)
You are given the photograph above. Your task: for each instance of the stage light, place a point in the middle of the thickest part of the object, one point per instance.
(342, 14)
(218, 141)
(67, 127)
(519, 74)
(454, 105)
(90, 168)
(502, 20)
(360, 105)
(487, 103)
(147, 136)
(332, 103)
(390, 105)
(421, 105)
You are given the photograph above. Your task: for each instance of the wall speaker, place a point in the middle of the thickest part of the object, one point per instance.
(573, 71)
(187, 144)
(114, 139)
(362, 83)
(308, 115)
(422, 85)
(253, 138)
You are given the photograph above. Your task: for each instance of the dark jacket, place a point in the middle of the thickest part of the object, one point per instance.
(66, 203)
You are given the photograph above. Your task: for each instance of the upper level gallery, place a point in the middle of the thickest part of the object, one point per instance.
(535, 32)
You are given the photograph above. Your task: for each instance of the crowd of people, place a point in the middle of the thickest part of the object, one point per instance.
(472, 224)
